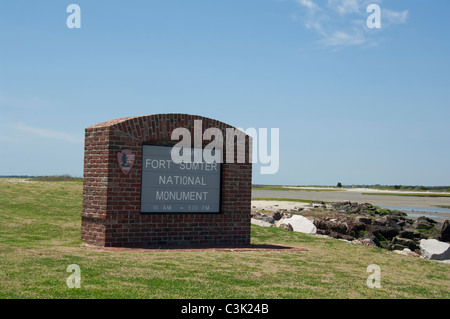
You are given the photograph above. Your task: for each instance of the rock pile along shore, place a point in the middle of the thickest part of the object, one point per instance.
(365, 224)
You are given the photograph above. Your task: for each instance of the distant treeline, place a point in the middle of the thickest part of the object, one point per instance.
(17, 176)
(405, 187)
(53, 178)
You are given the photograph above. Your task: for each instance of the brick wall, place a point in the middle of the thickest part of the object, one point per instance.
(111, 200)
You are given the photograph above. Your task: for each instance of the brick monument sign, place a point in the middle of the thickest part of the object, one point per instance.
(135, 194)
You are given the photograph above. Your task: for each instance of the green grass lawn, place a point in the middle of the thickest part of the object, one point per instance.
(40, 237)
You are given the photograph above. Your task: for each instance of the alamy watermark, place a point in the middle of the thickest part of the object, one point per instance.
(73, 21)
(185, 152)
(74, 280)
(374, 280)
(374, 20)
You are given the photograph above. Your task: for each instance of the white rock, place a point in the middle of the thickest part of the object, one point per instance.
(434, 249)
(260, 222)
(405, 251)
(300, 224)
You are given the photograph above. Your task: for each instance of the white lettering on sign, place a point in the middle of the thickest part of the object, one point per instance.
(166, 164)
(168, 186)
(199, 166)
(181, 180)
(180, 195)
(156, 164)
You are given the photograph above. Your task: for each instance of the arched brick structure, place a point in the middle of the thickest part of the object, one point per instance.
(111, 214)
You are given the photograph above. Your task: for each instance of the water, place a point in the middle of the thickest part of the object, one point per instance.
(439, 213)
(413, 206)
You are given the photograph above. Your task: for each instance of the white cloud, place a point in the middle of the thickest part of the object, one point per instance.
(344, 6)
(308, 4)
(342, 23)
(33, 103)
(341, 38)
(313, 19)
(393, 17)
(317, 24)
(50, 134)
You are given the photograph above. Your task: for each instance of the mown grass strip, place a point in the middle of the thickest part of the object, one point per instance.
(287, 188)
(408, 194)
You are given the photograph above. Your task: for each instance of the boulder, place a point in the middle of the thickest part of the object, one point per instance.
(277, 215)
(287, 227)
(354, 210)
(407, 252)
(286, 215)
(398, 213)
(331, 225)
(365, 241)
(300, 224)
(387, 232)
(344, 206)
(445, 231)
(363, 220)
(264, 217)
(434, 249)
(383, 221)
(254, 213)
(333, 234)
(424, 223)
(261, 222)
(355, 228)
(338, 227)
(407, 233)
(341, 236)
(405, 243)
(367, 208)
(318, 204)
(400, 223)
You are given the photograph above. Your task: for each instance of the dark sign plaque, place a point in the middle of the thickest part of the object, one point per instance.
(169, 187)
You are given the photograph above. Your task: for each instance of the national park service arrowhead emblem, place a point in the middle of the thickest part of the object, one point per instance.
(126, 160)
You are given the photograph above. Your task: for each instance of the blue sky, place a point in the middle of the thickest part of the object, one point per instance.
(353, 105)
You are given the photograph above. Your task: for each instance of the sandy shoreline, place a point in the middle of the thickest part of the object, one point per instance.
(277, 205)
